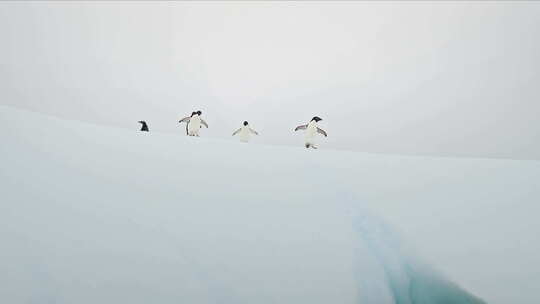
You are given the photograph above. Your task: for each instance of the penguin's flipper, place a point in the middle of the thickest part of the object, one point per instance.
(253, 131)
(204, 123)
(302, 127)
(187, 132)
(185, 119)
(236, 132)
(319, 130)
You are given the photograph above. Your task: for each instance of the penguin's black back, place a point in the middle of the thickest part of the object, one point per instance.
(144, 126)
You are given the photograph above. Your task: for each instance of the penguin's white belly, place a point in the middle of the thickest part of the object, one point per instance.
(311, 131)
(194, 125)
(244, 135)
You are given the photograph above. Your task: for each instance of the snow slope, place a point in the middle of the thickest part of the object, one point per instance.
(92, 214)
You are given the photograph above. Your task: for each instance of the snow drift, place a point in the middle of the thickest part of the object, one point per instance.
(92, 214)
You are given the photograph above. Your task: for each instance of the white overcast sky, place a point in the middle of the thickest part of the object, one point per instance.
(442, 78)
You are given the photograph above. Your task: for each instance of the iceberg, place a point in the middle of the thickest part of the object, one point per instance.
(95, 214)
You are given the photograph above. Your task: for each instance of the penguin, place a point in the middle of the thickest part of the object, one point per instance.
(245, 132)
(186, 120)
(194, 123)
(144, 126)
(311, 130)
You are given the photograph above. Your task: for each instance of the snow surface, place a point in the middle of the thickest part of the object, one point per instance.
(93, 214)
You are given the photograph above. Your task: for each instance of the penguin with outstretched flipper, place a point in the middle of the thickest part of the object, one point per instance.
(245, 132)
(311, 131)
(194, 123)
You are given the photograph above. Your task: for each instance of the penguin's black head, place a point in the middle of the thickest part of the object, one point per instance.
(316, 118)
(193, 113)
(245, 123)
(142, 122)
(199, 112)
